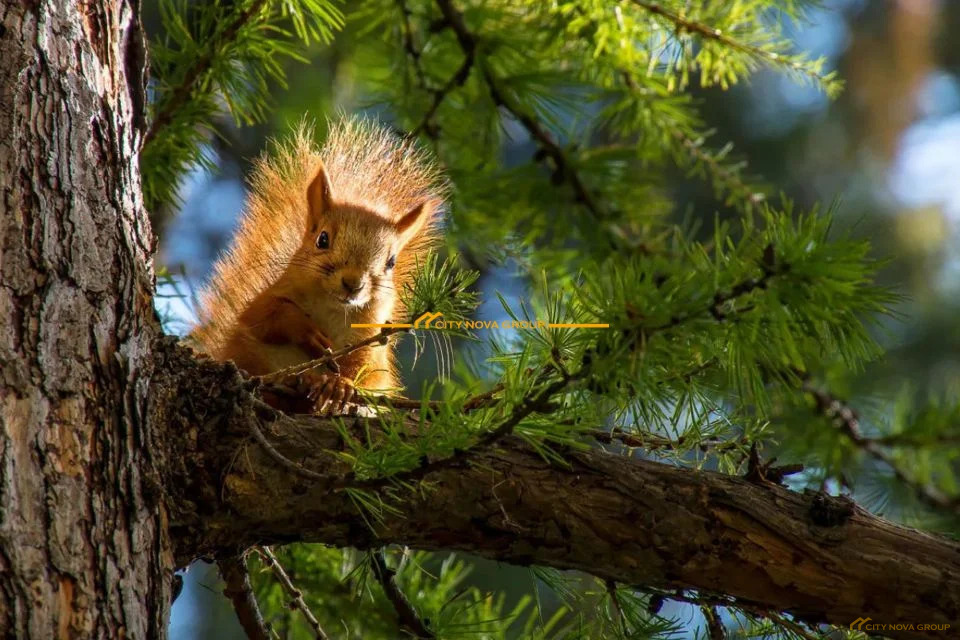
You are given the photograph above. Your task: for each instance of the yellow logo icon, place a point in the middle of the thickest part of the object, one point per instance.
(426, 319)
(859, 622)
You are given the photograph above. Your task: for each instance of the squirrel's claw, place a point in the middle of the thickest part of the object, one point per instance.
(331, 394)
(342, 395)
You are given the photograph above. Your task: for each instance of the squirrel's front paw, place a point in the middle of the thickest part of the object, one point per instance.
(331, 394)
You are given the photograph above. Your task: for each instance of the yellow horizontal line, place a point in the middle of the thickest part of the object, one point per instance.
(555, 325)
(381, 326)
(574, 325)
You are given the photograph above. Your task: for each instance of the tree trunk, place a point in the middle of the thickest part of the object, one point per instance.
(84, 552)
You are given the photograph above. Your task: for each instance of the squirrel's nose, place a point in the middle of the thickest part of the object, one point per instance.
(352, 285)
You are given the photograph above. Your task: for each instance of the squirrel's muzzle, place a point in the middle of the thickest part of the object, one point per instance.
(352, 285)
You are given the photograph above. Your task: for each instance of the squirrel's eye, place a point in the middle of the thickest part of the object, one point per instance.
(391, 261)
(323, 240)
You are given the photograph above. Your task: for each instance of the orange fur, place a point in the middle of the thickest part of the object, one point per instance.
(276, 299)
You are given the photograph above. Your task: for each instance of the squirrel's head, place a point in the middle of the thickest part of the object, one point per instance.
(350, 250)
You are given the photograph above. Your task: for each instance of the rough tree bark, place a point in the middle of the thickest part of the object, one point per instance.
(84, 550)
(119, 452)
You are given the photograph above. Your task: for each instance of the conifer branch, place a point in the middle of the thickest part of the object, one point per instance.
(682, 23)
(563, 168)
(440, 94)
(195, 75)
(540, 400)
(296, 596)
(408, 43)
(847, 421)
(406, 613)
(722, 174)
(534, 402)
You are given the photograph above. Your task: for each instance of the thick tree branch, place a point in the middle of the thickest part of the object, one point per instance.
(819, 558)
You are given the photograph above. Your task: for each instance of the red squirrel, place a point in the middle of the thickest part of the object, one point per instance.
(327, 239)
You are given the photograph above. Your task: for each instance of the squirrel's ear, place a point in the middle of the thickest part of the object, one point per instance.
(319, 198)
(414, 221)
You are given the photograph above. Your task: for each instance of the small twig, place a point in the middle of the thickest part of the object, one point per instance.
(439, 95)
(759, 472)
(479, 401)
(915, 440)
(714, 624)
(240, 592)
(484, 399)
(721, 173)
(748, 608)
(775, 617)
(615, 601)
(725, 175)
(722, 298)
(335, 482)
(408, 44)
(380, 337)
(340, 482)
(295, 594)
(653, 442)
(407, 615)
(284, 461)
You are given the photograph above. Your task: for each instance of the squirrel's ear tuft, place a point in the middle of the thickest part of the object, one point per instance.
(411, 224)
(319, 198)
